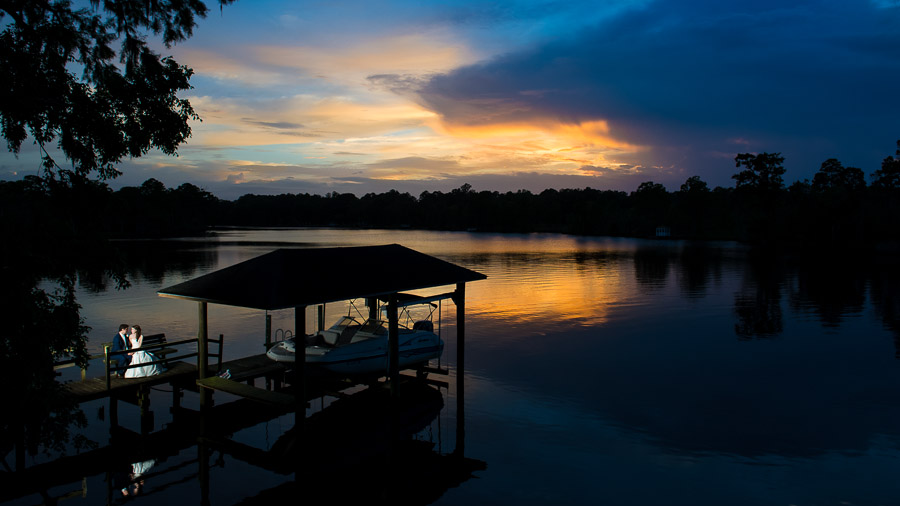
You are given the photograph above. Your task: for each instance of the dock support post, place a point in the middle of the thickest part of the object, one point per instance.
(106, 363)
(268, 344)
(20, 445)
(202, 354)
(393, 344)
(372, 302)
(203, 473)
(321, 317)
(146, 412)
(109, 487)
(459, 299)
(300, 363)
(113, 412)
(176, 397)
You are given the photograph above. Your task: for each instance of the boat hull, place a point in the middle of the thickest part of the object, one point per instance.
(365, 357)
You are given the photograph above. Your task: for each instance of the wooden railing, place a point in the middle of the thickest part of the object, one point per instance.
(107, 358)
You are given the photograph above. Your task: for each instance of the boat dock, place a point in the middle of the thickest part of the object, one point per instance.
(244, 373)
(178, 373)
(283, 279)
(181, 375)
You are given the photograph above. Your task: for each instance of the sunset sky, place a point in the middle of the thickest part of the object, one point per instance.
(362, 96)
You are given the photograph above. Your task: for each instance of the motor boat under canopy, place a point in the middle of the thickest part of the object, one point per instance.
(301, 277)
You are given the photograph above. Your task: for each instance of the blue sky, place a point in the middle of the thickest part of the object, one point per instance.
(355, 96)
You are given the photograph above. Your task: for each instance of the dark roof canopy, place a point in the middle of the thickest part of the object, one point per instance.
(287, 278)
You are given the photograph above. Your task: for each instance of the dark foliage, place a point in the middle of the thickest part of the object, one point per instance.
(121, 105)
(64, 83)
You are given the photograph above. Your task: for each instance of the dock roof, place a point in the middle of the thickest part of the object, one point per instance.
(287, 278)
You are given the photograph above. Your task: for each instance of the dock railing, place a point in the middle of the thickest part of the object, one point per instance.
(163, 359)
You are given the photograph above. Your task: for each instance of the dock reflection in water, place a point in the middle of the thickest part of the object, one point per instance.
(364, 435)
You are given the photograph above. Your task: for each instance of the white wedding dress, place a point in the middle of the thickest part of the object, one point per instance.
(141, 357)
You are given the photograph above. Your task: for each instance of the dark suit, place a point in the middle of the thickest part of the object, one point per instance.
(120, 344)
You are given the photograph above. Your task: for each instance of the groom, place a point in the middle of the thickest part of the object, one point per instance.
(120, 344)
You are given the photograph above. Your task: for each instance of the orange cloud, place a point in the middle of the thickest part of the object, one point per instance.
(557, 147)
(411, 53)
(343, 113)
(306, 119)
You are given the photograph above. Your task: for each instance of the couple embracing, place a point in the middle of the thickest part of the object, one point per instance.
(126, 351)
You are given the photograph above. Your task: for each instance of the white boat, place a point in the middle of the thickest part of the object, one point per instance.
(352, 346)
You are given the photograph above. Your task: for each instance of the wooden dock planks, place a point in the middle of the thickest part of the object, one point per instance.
(255, 366)
(185, 374)
(95, 388)
(178, 372)
(248, 392)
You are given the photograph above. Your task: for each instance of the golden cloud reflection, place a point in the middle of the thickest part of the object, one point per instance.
(516, 303)
(532, 279)
(553, 288)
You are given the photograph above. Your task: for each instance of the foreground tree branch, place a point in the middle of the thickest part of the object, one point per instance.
(120, 104)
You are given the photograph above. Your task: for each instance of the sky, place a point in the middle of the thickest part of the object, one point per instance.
(368, 96)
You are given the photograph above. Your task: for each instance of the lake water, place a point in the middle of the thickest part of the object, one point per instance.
(598, 371)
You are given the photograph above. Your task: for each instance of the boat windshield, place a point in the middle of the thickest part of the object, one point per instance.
(375, 327)
(343, 323)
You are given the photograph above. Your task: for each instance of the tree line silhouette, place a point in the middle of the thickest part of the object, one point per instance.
(837, 206)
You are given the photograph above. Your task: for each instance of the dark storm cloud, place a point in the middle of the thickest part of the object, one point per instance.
(811, 78)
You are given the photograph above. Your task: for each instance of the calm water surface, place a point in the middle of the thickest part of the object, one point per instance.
(598, 370)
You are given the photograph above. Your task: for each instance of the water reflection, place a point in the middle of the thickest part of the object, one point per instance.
(831, 291)
(757, 307)
(651, 268)
(526, 289)
(699, 265)
(885, 295)
(366, 440)
(363, 434)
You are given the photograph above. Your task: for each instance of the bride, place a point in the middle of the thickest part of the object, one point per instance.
(138, 356)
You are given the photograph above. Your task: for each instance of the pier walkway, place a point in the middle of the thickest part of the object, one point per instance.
(180, 374)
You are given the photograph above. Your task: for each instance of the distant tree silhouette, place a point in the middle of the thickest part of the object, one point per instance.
(761, 172)
(834, 176)
(693, 208)
(152, 188)
(889, 174)
(695, 186)
(836, 207)
(649, 208)
(760, 200)
(389, 209)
